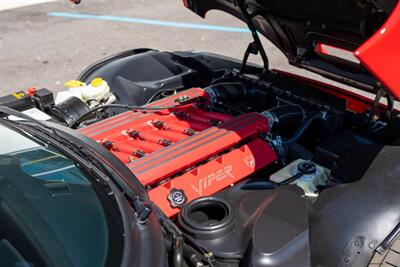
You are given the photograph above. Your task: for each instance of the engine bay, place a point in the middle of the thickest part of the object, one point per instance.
(231, 157)
(194, 159)
(185, 152)
(197, 142)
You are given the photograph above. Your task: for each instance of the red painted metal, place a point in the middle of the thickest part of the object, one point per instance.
(184, 147)
(336, 52)
(180, 156)
(355, 102)
(380, 54)
(216, 174)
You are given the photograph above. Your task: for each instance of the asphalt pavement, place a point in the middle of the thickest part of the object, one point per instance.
(47, 44)
(40, 49)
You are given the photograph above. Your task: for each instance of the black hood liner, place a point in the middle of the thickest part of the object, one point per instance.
(296, 26)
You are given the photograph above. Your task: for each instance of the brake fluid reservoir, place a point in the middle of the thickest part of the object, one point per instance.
(97, 90)
(75, 88)
(310, 176)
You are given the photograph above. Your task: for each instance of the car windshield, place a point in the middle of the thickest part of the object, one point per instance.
(52, 213)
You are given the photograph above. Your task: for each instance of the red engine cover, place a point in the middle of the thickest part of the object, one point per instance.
(185, 149)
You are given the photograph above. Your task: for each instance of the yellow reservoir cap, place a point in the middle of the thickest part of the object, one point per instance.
(74, 84)
(18, 95)
(96, 82)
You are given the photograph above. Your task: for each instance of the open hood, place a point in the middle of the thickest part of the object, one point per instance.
(322, 35)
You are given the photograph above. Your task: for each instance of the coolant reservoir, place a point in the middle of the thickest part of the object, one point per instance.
(75, 88)
(96, 93)
(310, 176)
(97, 90)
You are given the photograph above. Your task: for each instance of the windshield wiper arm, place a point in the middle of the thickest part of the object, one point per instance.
(47, 130)
(12, 112)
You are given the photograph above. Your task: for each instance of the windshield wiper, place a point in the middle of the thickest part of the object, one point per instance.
(6, 111)
(48, 130)
(12, 112)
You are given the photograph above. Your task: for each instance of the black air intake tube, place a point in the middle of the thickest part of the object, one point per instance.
(284, 115)
(226, 91)
(303, 127)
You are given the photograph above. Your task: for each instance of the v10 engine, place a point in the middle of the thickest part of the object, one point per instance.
(185, 152)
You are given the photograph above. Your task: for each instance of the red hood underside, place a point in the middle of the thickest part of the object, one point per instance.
(381, 53)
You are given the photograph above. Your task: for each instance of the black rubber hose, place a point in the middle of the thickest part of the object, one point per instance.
(176, 234)
(108, 106)
(177, 257)
(285, 115)
(192, 256)
(226, 91)
(291, 179)
(258, 185)
(303, 127)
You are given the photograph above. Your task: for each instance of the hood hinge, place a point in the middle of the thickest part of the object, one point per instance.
(255, 46)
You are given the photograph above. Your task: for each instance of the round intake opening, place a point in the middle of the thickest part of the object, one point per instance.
(207, 215)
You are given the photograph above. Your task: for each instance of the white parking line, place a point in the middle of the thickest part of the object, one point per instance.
(10, 4)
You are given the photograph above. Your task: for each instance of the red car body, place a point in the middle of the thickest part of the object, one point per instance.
(213, 161)
(381, 53)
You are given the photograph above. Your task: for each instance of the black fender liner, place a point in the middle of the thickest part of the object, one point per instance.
(83, 76)
(349, 222)
(139, 75)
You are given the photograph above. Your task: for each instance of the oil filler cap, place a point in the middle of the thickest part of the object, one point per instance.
(177, 198)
